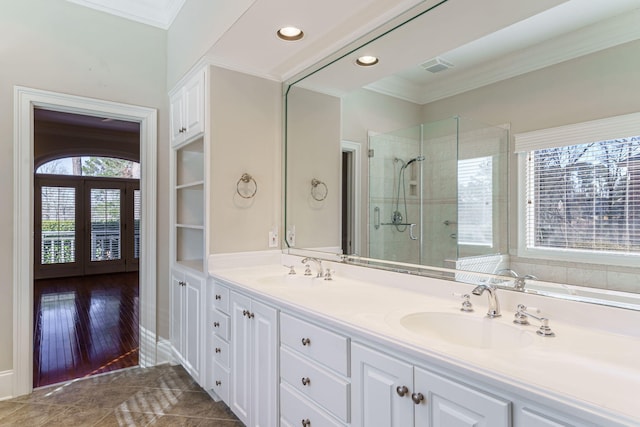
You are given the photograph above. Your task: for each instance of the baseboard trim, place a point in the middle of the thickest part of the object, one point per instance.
(165, 352)
(6, 384)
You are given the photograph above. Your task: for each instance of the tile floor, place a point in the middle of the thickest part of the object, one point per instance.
(159, 396)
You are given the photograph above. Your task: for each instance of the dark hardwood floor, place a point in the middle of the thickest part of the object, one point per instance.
(84, 326)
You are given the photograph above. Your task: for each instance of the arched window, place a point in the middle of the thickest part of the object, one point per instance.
(91, 166)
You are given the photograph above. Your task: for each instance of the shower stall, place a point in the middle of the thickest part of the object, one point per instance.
(438, 192)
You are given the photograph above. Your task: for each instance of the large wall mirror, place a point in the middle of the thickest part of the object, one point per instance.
(424, 160)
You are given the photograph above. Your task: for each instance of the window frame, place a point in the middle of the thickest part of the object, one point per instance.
(578, 133)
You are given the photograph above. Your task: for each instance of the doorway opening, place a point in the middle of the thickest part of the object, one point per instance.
(87, 212)
(350, 198)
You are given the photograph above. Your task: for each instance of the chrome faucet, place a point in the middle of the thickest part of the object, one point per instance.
(494, 305)
(519, 282)
(318, 264)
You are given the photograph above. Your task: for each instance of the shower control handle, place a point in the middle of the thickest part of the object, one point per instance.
(411, 235)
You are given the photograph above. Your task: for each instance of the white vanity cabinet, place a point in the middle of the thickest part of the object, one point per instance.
(187, 109)
(186, 319)
(217, 333)
(314, 374)
(389, 392)
(254, 361)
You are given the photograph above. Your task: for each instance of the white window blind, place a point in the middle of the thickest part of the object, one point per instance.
(137, 215)
(585, 197)
(475, 201)
(58, 245)
(105, 224)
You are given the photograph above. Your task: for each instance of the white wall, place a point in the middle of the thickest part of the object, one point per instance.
(62, 47)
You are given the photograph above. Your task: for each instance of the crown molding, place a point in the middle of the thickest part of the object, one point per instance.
(157, 13)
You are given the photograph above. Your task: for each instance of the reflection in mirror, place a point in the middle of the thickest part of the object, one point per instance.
(422, 167)
(434, 194)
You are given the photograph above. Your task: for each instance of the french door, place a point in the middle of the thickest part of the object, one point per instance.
(85, 226)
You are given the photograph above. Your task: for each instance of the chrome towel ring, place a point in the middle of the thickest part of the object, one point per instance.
(245, 182)
(319, 190)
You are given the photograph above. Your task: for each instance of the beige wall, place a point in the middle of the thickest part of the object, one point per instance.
(246, 116)
(313, 151)
(62, 47)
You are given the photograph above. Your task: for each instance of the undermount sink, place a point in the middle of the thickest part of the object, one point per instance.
(468, 330)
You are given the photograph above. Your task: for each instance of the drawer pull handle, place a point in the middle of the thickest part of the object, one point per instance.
(417, 398)
(218, 383)
(218, 350)
(247, 313)
(306, 341)
(181, 283)
(216, 324)
(402, 390)
(306, 381)
(218, 297)
(306, 423)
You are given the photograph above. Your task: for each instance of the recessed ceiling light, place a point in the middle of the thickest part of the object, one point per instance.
(290, 33)
(367, 61)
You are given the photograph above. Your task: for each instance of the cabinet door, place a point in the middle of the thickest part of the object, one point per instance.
(264, 369)
(176, 106)
(240, 390)
(194, 105)
(379, 398)
(176, 312)
(192, 319)
(448, 403)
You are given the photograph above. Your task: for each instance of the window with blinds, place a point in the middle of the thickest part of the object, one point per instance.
(137, 214)
(475, 201)
(585, 197)
(58, 230)
(105, 224)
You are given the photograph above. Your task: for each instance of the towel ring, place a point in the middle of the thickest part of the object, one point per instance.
(319, 190)
(246, 178)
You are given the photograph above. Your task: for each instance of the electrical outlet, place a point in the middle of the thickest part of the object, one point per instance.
(273, 238)
(291, 236)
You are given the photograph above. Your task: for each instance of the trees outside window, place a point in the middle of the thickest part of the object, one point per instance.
(585, 197)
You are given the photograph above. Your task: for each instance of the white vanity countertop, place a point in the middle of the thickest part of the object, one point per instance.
(593, 368)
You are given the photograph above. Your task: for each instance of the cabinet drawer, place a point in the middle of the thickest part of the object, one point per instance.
(219, 324)
(295, 408)
(220, 297)
(316, 383)
(220, 351)
(316, 343)
(221, 382)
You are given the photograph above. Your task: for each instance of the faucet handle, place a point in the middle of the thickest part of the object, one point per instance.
(467, 307)
(328, 275)
(291, 268)
(523, 313)
(307, 270)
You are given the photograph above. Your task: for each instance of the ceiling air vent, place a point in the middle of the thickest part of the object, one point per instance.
(436, 65)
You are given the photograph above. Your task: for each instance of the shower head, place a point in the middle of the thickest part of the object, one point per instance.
(415, 159)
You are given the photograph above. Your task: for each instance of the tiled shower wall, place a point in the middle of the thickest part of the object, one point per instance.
(392, 242)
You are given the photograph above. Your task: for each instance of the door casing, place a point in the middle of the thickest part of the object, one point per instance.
(25, 100)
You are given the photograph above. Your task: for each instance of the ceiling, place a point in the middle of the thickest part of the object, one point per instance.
(507, 41)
